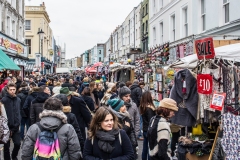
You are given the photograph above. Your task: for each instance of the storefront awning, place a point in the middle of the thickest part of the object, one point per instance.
(6, 62)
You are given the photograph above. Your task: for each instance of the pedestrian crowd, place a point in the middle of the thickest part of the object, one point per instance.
(82, 117)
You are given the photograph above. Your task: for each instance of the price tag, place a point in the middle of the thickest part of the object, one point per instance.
(204, 83)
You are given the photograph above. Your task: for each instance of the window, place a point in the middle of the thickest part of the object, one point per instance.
(154, 36)
(226, 10)
(20, 7)
(100, 52)
(29, 45)
(146, 26)
(185, 21)
(13, 29)
(143, 12)
(136, 19)
(160, 4)
(27, 25)
(8, 26)
(136, 34)
(143, 29)
(146, 9)
(100, 59)
(161, 32)
(203, 15)
(173, 27)
(154, 6)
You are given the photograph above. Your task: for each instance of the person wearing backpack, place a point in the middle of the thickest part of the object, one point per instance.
(22, 94)
(105, 140)
(4, 130)
(147, 111)
(53, 128)
(12, 106)
(159, 130)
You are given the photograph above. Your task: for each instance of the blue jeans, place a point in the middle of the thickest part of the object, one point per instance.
(24, 122)
(141, 127)
(145, 155)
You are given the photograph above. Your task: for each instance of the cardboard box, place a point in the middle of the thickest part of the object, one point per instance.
(194, 157)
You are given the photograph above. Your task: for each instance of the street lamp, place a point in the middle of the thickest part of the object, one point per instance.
(41, 33)
(109, 56)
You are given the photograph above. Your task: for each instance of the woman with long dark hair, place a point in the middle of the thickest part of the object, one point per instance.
(105, 139)
(94, 94)
(147, 111)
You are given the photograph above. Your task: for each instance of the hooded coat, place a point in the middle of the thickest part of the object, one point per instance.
(23, 96)
(187, 115)
(68, 140)
(136, 93)
(37, 107)
(12, 107)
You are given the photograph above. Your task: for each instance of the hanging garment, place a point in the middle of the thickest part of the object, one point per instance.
(181, 51)
(231, 137)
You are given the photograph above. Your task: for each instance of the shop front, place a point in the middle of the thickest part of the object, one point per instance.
(16, 51)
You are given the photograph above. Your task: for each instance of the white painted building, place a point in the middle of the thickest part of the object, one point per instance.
(138, 21)
(171, 21)
(108, 46)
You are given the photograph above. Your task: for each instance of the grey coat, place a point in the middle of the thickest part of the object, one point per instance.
(68, 140)
(135, 117)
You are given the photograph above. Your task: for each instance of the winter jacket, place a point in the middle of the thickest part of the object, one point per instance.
(101, 94)
(37, 107)
(81, 112)
(67, 84)
(95, 98)
(12, 107)
(84, 84)
(71, 119)
(161, 151)
(3, 85)
(89, 101)
(125, 117)
(136, 93)
(18, 84)
(146, 117)
(28, 102)
(23, 96)
(186, 115)
(68, 140)
(135, 117)
(122, 151)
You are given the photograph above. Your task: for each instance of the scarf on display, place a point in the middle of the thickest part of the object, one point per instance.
(106, 139)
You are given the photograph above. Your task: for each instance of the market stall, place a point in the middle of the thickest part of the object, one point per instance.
(120, 72)
(206, 89)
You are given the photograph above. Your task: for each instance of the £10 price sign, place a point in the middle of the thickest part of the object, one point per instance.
(204, 83)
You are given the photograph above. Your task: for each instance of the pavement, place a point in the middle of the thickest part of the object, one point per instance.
(140, 146)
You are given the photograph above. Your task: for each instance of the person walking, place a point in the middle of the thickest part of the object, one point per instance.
(94, 94)
(147, 111)
(124, 119)
(136, 92)
(23, 94)
(71, 118)
(80, 110)
(159, 132)
(52, 119)
(12, 106)
(37, 104)
(106, 140)
(86, 96)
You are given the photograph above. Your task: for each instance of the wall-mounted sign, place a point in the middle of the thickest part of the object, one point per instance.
(204, 48)
(9, 45)
(6, 43)
(19, 48)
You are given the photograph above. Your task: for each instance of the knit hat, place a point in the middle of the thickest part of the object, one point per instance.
(124, 91)
(65, 90)
(116, 104)
(169, 103)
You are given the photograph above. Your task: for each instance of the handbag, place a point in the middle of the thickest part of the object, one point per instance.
(91, 112)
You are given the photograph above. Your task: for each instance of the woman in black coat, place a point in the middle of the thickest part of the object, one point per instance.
(106, 140)
(71, 118)
(86, 96)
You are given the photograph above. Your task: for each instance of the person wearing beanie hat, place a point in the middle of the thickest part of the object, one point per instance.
(52, 118)
(71, 118)
(124, 119)
(123, 91)
(159, 137)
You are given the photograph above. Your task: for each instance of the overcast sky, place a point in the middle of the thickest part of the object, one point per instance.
(81, 24)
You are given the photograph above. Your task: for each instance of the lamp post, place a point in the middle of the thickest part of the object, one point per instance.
(109, 56)
(41, 33)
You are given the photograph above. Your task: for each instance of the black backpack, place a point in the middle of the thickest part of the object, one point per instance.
(152, 132)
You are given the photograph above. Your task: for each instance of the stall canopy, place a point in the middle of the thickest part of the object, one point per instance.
(7, 63)
(228, 52)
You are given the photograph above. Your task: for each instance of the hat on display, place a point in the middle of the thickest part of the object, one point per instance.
(116, 104)
(65, 90)
(169, 104)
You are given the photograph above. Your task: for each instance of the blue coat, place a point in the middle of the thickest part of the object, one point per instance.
(123, 151)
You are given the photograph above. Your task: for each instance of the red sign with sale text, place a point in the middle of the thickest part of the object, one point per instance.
(204, 83)
(204, 48)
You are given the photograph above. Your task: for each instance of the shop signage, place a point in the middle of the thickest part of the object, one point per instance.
(8, 45)
(204, 83)
(218, 101)
(204, 48)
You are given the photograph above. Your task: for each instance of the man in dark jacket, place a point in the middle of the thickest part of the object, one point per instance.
(80, 110)
(28, 102)
(67, 84)
(12, 106)
(23, 93)
(19, 82)
(37, 104)
(136, 92)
